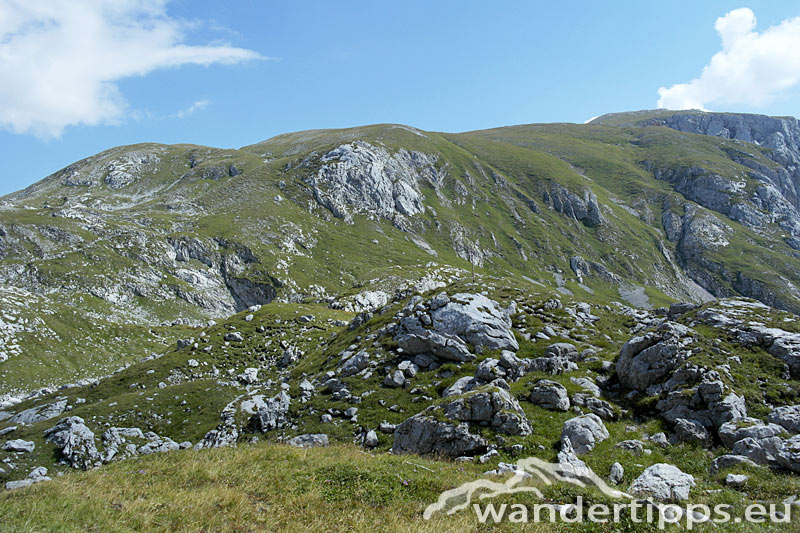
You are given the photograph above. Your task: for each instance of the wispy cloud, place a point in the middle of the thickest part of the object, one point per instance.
(192, 109)
(60, 60)
(751, 69)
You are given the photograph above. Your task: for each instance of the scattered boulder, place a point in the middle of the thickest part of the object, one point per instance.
(249, 376)
(584, 432)
(19, 445)
(597, 406)
(491, 406)
(309, 440)
(732, 432)
(550, 395)
(445, 325)
(354, 364)
(233, 336)
(787, 417)
(37, 475)
(371, 439)
(462, 386)
(39, 413)
(395, 379)
(736, 480)
(723, 462)
(762, 451)
(663, 482)
(562, 349)
(789, 454)
(616, 473)
(691, 431)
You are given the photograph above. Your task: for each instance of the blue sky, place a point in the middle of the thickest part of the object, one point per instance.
(234, 73)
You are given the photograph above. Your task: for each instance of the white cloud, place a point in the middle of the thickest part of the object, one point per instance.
(192, 109)
(751, 69)
(60, 59)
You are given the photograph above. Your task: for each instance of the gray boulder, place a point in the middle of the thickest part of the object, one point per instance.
(491, 406)
(584, 432)
(310, 440)
(691, 431)
(354, 364)
(649, 358)
(371, 439)
(19, 445)
(157, 444)
(663, 482)
(395, 379)
(39, 413)
(789, 454)
(422, 434)
(37, 475)
(736, 430)
(445, 327)
(462, 386)
(597, 406)
(787, 417)
(616, 473)
(550, 395)
(723, 462)
(762, 451)
(75, 442)
(570, 465)
(562, 349)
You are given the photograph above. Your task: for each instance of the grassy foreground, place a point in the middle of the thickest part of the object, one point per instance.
(269, 487)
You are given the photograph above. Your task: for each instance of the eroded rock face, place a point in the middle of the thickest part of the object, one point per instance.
(583, 208)
(445, 324)
(663, 482)
(362, 178)
(75, 442)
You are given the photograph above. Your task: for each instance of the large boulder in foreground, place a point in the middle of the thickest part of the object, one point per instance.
(422, 434)
(445, 326)
(663, 482)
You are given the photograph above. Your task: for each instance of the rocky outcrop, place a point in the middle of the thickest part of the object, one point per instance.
(422, 434)
(444, 428)
(649, 358)
(268, 414)
(445, 326)
(75, 443)
(363, 178)
(583, 208)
